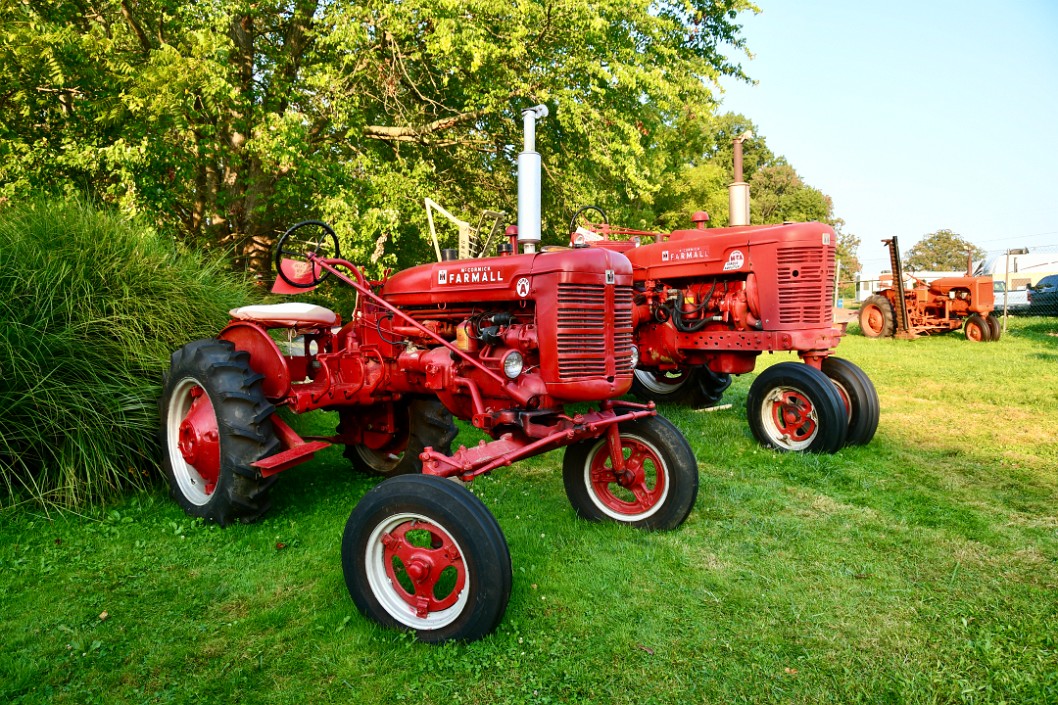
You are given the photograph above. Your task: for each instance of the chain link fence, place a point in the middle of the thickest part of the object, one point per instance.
(1026, 280)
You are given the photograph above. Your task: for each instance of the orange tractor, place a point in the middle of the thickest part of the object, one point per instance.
(941, 306)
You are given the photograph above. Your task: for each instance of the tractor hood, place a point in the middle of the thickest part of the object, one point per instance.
(508, 278)
(724, 251)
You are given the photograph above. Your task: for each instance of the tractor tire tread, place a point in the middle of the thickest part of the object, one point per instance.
(241, 493)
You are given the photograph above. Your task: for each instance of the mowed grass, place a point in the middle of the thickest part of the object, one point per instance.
(922, 568)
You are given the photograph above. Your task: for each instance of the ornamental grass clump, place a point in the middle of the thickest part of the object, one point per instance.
(91, 305)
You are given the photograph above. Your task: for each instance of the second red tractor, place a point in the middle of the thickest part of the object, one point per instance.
(710, 301)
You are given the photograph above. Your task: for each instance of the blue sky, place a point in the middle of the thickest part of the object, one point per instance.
(913, 116)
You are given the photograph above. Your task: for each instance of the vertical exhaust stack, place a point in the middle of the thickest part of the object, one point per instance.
(738, 190)
(529, 182)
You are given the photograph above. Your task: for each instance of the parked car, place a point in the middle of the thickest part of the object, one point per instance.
(1043, 296)
(1016, 300)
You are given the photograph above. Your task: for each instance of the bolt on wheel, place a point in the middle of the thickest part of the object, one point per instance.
(794, 407)
(655, 489)
(858, 396)
(424, 554)
(416, 570)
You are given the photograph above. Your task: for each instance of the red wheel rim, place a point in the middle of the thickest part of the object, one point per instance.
(199, 439)
(639, 488)
(793, 415)
(845, 400)
(874, 319)
(424, 565)
(974, 332)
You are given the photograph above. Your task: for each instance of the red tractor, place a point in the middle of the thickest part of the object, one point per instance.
(502, 342)
(940, 306)
(709, 301)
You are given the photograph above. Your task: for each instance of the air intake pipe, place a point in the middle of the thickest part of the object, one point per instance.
(529, 182)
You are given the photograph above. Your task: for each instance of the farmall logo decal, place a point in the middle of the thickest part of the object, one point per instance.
(469, 275)
(522, 287)
(735, 260)
(686, 253)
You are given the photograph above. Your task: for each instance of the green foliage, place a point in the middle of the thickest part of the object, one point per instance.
(231, 120)
(91, 304)
(777, 192)
(918, 569)
(941, 251)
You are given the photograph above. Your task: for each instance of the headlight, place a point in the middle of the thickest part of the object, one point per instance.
(512, 364)
(635, 357)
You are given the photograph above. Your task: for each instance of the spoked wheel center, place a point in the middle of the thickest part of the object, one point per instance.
(792, 414)
(637, 488)
(424, 565)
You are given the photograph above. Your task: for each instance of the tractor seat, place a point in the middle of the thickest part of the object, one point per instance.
(289, 315)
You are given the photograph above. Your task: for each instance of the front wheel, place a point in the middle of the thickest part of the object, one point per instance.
(976, 330)
(424, 554)
(859, 397)
(995, 328)
(792, 406)
(657, 488)
(697, 387)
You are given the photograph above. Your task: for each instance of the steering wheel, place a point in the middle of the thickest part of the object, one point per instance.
(309, 237)
(587, 209)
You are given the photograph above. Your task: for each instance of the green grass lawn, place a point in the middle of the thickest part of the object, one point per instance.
(922, 568)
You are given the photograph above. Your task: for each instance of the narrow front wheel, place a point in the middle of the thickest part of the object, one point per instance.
(995, 328)
(976, 330)
(424, 554)
(859, 397)
(792, 406)
(655, 490)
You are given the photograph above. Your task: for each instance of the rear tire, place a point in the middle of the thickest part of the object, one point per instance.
(215, 423)
(430, 425)
(424, 554)
(976, 330)
(697, 387)
(877, 318)
(792, 406)
(658, 492)
(859, 397)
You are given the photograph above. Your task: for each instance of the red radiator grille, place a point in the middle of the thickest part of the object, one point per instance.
(805, 284)
(591, 334)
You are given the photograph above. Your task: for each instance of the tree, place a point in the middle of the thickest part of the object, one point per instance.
(231, 119)
(942, 250)
(777, 192)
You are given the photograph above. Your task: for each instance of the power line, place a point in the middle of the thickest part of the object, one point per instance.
(1021, 237)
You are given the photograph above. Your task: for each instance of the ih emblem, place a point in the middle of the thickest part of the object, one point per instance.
(609, 276)
(522, 287)
(442, 276)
